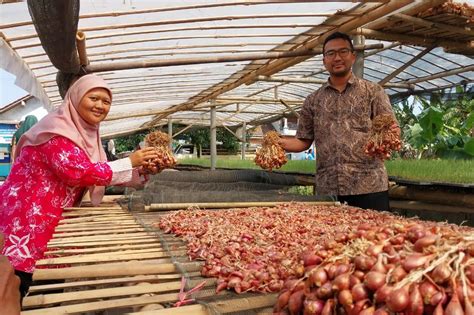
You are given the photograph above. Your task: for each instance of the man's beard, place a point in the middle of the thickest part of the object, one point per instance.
(341, 73)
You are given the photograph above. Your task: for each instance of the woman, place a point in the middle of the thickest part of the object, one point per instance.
(25, 125)
(57, 161)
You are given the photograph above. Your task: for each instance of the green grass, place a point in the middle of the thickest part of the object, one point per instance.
(449, 171)
(235, 162)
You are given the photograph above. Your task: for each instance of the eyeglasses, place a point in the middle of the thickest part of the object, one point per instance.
(344, 52)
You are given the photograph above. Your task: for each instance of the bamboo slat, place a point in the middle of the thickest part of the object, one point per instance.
(97, 232)
(219, 205)
(196, 309)
(111, 304)
(141, 240)
(111, 249)
(100, 237)
(112, 270)
(113, 281)
(92, 208)
(227, 306)
(101, 258)
(102, 218)
(40, 300)
(83, 227)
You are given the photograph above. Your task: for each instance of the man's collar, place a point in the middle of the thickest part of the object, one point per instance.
(352, 80)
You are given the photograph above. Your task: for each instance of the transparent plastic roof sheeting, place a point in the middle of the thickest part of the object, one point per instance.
(193, 32)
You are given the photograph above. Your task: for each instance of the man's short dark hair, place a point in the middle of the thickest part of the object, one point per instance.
(337, 35)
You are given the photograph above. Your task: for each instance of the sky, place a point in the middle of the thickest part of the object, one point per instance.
(9, 92)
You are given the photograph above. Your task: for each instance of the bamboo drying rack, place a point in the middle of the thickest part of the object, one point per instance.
(106, 259)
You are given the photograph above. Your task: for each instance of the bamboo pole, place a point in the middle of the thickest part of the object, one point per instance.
(424, 206)
(114, 66)
(41, 300)
(442, 74)
(234, 305)
(81, 48)
(290, 108)
(195, 309)
(318, 81)
(108, 249)
(219, 205)
(112, 232)
(392, 75)
(86, 227)
(105, 257)
(410, 39)
(92, 208)
(104, 243)
(131, 268)
(91, 306)
(439, 197)
(430, 24)
(112, 281)
(98, 238)
(271, 68)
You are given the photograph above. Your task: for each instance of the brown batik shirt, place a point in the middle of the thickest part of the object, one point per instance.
(340, 125)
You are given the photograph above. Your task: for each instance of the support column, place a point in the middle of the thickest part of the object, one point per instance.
(213, 136)
(244, 139)
(358, 67)
(170, 133)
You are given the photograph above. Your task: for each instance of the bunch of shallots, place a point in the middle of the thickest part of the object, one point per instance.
(271, 155)
(384, 138)
(165, 159)
(410, 269)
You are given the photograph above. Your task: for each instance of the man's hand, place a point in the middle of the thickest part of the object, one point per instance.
(9, 286)
(143, 157)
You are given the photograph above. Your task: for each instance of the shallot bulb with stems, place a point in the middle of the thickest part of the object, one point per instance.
(271, 155)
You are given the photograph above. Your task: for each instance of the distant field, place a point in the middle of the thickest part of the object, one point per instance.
(450, 171)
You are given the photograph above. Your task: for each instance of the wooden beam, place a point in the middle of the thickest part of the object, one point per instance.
(114, 66)
(277, 66)
(310, 44)
(290, 108)
(183, 130)
(442, 74)
(392, 75)
(430, 24)
(232, 132)
(410, 39)
(256, 99)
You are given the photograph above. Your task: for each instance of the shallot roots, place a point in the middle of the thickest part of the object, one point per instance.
(393, 268)
(384, 138)
(165, 159)
(271, 155)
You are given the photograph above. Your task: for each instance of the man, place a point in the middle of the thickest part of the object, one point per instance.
(9, 286)
(338, 118)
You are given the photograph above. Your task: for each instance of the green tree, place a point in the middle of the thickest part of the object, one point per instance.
(443, 129)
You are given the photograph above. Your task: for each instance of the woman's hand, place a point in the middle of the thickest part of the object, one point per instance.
(143, 157)
(9, 286)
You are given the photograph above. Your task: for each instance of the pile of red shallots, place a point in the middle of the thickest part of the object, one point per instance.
(384, 138)
(391, 268)
(165, 159)
(258, 249)
(271, 155)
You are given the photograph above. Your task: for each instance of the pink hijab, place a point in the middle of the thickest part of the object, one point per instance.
(66, 122)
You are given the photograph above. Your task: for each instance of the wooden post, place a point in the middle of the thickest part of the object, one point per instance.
(170, 133)
(244, 138)
(213, 137)
(358, 67)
